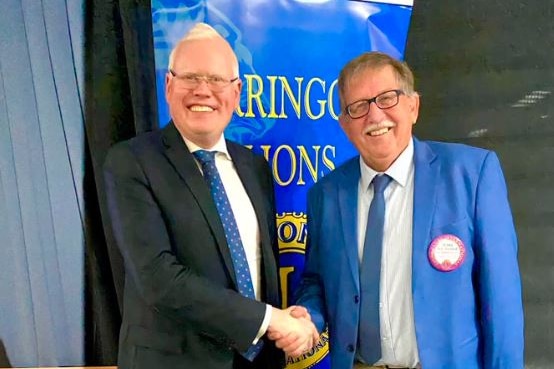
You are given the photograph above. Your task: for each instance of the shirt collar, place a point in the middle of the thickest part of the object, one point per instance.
(220, 147)
(399, 170)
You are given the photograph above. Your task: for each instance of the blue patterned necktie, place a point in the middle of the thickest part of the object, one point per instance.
(240, 264)
(369, 337)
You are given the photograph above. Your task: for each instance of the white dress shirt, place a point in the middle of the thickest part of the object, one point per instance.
(245, 216)
(398, 340)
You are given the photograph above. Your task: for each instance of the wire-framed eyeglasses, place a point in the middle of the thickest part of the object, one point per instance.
(384, 100)
(193, 80)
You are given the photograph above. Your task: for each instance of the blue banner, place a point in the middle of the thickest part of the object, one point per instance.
(290, 53)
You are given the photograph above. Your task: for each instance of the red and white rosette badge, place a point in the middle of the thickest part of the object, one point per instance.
(447, 252)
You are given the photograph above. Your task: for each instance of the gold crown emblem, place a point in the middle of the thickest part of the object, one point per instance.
(291, 231)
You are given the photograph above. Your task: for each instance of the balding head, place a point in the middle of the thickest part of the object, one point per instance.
(203, 32)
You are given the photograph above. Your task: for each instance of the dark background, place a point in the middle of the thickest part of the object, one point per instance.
(485, 72)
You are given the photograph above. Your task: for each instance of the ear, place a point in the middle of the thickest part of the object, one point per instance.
(167, 80)
(237, 89)
(343, 120)
(414, 107)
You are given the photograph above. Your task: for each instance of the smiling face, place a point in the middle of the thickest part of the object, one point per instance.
(201, 114)
(382, 134)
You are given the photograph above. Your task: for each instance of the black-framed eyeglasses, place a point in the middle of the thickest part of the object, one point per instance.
(193, 80)
(384, 100)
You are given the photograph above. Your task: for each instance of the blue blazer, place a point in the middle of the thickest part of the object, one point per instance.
(471, 317)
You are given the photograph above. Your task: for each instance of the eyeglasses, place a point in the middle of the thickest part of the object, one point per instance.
(192, 80)
(385, 100)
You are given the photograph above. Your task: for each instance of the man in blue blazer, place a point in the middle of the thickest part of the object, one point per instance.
(447, 281)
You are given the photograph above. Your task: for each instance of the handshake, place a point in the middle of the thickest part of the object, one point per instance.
(292, 330)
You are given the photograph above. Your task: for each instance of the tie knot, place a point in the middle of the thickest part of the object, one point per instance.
(380, 182)
(204, 156)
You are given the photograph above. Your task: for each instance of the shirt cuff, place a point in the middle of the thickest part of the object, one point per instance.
(265, 323)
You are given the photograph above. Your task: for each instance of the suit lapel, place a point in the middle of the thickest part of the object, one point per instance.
(348, 205)
(425, 181)
(183, 162)
(244, 166)
(250, 180)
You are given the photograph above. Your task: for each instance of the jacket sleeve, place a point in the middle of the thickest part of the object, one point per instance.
(310, 292)
(501, 310)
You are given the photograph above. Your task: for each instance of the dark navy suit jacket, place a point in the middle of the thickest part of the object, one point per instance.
(181, 305)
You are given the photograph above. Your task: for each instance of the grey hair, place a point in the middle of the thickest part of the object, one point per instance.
(201, 31)
(376, 60)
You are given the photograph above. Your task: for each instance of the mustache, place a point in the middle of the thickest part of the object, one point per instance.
(379, 125)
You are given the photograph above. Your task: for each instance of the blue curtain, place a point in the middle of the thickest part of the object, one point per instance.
(41, 182)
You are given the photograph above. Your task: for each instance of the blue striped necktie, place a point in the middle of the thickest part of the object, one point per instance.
(240, 264)
(369, 336)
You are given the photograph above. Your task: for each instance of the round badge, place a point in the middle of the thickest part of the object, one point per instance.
(447, 252)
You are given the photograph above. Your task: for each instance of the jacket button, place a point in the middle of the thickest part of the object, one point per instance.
(350, 348)
(356, 299)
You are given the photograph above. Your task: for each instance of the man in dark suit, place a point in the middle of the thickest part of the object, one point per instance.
(412, 252)
(193, 215)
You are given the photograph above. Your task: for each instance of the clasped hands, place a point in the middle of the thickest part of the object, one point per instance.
(292, 330)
